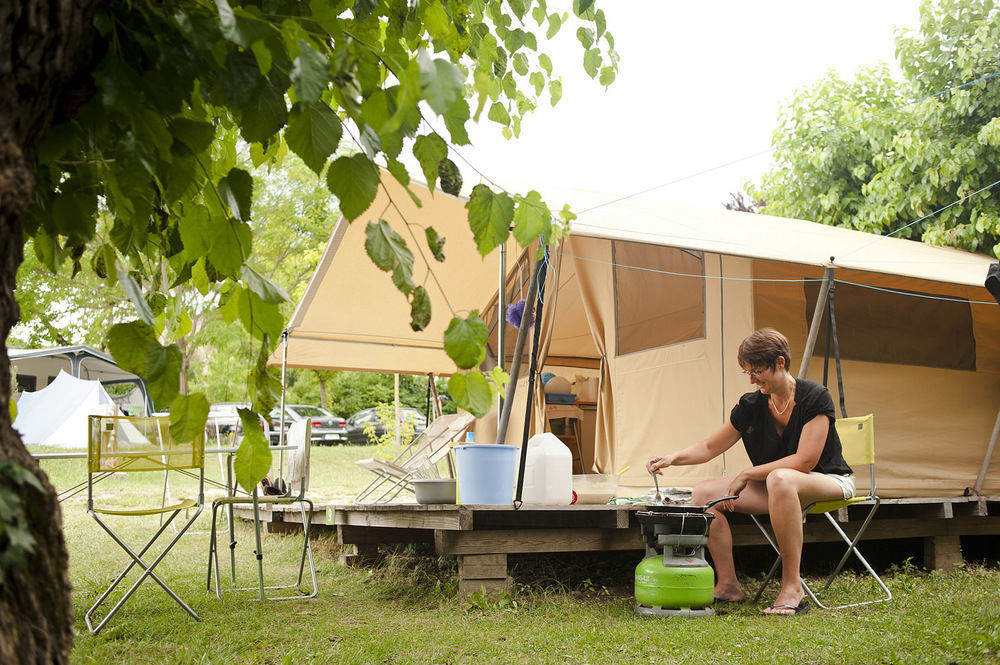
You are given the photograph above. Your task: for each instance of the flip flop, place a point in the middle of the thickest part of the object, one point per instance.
(724, 601)
(801, 608)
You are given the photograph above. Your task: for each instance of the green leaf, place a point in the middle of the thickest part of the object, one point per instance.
(354, 181)
(498, 113)
(465, 340)
(471, 392)
(546, 63)
(263, 287)
(135, 348)
(389, 252)
(253, 457)
(196, 135)
(429, 150)
(420, 309)
(450, 176)
(435, 242)
(313, 133)
(591, 62)
(441, 82)
(260, 318)
(12, 404)
(555, 91)
(607, 76)
(134, 293)
(236, 189)
(555, 22)
(580, 7)
(232, 241)
(531, 218)
(188, 414)
(500, 379)
(310, 73)
(238, 30)
(195, 227)
(490, 216)
(585, 36)
(265, 116)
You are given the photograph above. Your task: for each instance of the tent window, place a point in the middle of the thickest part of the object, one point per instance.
(27, 383)
(878, 326)
(659, 295)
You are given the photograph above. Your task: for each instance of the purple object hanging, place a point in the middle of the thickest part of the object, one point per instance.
(515, 312)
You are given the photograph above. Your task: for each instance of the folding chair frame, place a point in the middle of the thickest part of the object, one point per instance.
(307, 554)
(137, 560)
(401, 470)
(825, 508)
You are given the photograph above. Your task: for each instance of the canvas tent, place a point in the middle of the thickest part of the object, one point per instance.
(653, 298)
(37, 368)
(57, 414)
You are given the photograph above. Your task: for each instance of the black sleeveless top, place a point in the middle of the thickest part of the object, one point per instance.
(752, 418)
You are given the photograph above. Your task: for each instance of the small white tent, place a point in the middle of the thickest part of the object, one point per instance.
(57, 414)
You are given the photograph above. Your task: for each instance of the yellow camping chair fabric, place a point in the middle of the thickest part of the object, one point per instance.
(857, 437)
(297, 483)
(120, 444)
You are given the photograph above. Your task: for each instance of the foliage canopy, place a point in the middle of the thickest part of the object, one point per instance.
(880, 155)
(346, 85)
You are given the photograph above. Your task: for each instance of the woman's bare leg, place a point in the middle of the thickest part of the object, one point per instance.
(753, 499)
(788, 491)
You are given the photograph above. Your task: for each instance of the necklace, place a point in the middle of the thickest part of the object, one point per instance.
(782, 410)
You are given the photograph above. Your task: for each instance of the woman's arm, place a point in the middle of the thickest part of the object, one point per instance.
(804, 459)
(717, 443)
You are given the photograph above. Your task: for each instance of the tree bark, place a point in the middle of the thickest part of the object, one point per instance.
(46, 53)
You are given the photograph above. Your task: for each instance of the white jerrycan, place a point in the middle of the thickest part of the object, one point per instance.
(548, 471)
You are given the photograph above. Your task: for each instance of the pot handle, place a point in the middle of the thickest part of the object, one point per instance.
(720, 500)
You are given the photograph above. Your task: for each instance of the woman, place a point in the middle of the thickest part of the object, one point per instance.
(787, 430)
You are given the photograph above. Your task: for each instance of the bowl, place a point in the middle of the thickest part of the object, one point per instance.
(434, 490)
(595, 488)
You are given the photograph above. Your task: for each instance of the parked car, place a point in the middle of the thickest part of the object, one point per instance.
(327, 429)
(223, 420)
(356, 424)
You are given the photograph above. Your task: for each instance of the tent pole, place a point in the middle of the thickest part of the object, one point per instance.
(284, 369)
(515, 365)
(501, 310)
(989, 456)
(532, 372)
(816, 320)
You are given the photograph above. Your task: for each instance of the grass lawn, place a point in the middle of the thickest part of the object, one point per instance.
(565, 609)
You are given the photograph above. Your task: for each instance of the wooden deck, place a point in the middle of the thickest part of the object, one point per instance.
(481, 537)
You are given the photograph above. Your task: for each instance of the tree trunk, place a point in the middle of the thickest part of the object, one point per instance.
(46, 52)
(322, 391)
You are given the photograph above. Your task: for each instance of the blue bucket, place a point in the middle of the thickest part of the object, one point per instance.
(485, 473)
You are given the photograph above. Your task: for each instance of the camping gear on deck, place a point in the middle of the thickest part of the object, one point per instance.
(674, 579)
(548, 471)
(434, 490)
(486, 473)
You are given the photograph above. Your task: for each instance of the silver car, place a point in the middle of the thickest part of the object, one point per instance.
(327, 429)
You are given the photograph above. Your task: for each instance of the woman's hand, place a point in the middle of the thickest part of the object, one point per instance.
(738, 485)
(656, 463)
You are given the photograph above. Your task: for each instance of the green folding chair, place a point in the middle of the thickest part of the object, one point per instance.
(296, 483)
(120, 444)
(857, 437)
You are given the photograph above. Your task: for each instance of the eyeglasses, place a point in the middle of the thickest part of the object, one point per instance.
(754, 373)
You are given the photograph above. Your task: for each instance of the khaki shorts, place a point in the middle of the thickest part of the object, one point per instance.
(846, 483)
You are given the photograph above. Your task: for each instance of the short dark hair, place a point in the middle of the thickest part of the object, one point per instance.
(762, 348)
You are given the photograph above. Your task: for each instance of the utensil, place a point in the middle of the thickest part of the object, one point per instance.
(623, 470)
(658, 499)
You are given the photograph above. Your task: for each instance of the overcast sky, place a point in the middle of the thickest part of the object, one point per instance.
(699, 85)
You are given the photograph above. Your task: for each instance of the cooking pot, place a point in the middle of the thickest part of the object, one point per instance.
(684, 508)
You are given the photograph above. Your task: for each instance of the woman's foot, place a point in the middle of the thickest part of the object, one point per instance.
(729, 593)
(788, 603)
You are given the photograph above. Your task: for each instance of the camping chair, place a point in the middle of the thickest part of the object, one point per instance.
(857, 436)
(296, 484)
(121, 444)
(417, 460)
